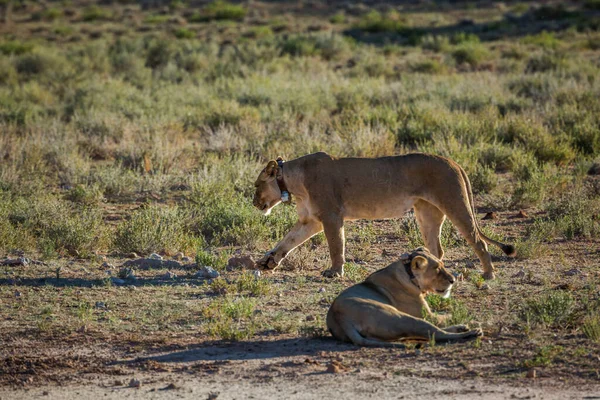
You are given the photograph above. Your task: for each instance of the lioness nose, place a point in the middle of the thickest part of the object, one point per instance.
(451, 278)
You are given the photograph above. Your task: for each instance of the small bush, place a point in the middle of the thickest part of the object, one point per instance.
(591, 327)
(545, 40)
(471, 53)
(154, 229)
(159, 54)
(375, 22)
(435, 43)
(156, 19)
(219, 10)
(184, 33)
(15, 47)
(546, 62)
(338, 18)
(463, 37)
(550, 310)
(428, 67)
(95, 13)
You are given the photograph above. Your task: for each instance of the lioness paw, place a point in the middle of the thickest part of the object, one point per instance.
(331, 273)
(267, 262)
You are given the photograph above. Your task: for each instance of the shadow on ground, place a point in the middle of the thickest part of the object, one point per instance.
(248, 350)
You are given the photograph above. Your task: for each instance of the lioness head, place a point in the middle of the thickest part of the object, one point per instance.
(267, 193)
(429, 272)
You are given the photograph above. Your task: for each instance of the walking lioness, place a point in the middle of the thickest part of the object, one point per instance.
(332, 190)
(390, 303)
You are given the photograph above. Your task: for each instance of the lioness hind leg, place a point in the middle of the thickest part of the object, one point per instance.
(464, 221)
(359, 340)
(430, 220)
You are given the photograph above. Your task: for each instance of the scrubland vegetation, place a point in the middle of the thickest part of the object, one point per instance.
(127, 130)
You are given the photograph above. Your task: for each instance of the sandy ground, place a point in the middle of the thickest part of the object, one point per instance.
(291, 370)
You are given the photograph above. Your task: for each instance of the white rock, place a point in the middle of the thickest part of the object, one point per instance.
(206, 272)
(155, 256)
(256, 273)
(117, 281)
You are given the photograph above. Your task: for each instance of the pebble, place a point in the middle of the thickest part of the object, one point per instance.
(256, 273)
(135, 383)
(169, 275)
(322, 290)
(101, 304)
(245, 262)
(126, 273)
(206, 272)
(117, 281)
(155, 256)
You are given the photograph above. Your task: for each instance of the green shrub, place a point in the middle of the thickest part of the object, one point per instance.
(471, 53)
(160, 52)
(154, 229)
(546, 62)
(184, 33)
(15, 47)
(156, 19)
(95, 13)
(551, 310)
(48, 14)
(546, 40)
(375, 22)
(463, 37)
(219, 10)
(338, 18)
(435, 43)
(591, 326)
(299, 46)
(428, 67)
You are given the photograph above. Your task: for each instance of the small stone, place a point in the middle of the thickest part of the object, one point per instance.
(244, 262)
(256, 273)
(335, 367)
(310, 317)
(573, 272)
(127, 273)
(118, 382)
(521, 214)
(322, 290)
(491, 215)
(212, 396)
(155, 256)
(132, 255)
(206, 272)
(135, 383)
(594, 169)
(101, 305)
(179, 256)
(169, 275)
(531, 373)
(45, 393)
(520, 274)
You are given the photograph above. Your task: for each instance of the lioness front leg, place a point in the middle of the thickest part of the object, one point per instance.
(333, 226)
(300, 233)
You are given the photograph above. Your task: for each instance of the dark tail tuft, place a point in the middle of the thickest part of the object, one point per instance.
(509, 250)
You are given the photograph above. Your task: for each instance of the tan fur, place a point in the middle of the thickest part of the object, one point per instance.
(388, 306)
(329, 191)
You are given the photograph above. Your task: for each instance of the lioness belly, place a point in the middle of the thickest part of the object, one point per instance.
(394, 207)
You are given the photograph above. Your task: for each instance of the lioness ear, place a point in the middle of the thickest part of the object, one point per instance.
(271, 168)
(418, 262)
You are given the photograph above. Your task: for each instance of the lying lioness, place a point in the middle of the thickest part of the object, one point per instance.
(329, 191)
(389, 304)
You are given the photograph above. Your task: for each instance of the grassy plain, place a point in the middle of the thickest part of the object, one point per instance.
(126, 130)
